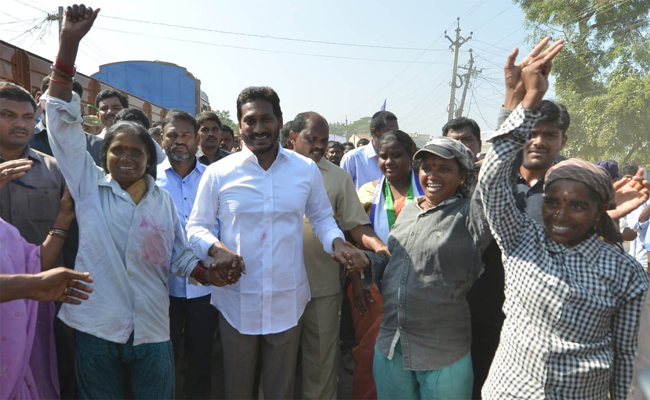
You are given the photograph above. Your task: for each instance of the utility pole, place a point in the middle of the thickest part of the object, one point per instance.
(57, 17)
(465, 81)
(455, 46)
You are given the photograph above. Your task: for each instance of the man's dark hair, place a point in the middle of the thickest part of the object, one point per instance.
(284, 133)
(460, 123)
(403, 138)
(207, 116)
(554, 113)
(334, 143)
(300, 122)
(155, 131)
(11, 91)
(158, 123)
(226, 128)
(381, 119)
(627, 168)
(76, 86)
(141, 132)
(182, 115)
(348, 144)
(107, 94)
(253, 93)
(133, 115)
(362, 142)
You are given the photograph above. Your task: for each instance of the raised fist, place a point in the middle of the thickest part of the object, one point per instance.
(77, 21)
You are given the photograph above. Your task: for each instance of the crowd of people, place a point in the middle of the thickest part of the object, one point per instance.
(464, 275)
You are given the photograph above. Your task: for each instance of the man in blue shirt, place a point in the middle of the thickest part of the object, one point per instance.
(190, 312)
(361, 162)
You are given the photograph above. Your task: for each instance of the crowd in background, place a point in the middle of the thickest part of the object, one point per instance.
(445, 272)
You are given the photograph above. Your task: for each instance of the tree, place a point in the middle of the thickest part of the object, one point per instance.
(224, 116)
(362, 125)
(602, 75)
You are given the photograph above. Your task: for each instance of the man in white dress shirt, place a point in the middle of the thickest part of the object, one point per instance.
(260, 195)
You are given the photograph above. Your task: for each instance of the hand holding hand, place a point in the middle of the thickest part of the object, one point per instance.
(348, 255)
(10, 170)
(227, 267)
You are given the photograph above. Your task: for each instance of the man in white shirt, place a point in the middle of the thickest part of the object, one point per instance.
(260, 195)
(190, 313)
(361, 162)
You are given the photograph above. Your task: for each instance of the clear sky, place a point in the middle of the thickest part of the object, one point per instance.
(336, 80)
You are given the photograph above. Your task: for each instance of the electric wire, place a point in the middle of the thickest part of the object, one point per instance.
(273, 37)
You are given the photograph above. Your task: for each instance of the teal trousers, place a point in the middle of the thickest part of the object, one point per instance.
(101, 368)
(393, 382)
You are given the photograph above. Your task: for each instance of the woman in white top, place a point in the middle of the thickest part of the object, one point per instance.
(130, 241)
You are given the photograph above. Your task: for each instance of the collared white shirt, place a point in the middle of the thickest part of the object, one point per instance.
(129, 249)
(636, 246)
(183, 191)
(261, 217)
(362, 164)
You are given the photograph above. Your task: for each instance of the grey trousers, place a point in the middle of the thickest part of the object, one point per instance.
(277, 352)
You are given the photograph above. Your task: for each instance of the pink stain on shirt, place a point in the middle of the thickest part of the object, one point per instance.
(153, 244)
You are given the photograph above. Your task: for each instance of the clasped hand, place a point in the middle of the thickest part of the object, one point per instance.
(349, 256)
(227, 267)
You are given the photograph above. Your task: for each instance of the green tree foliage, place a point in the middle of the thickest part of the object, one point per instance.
(362, 125)
(224, 116)
(602, 75)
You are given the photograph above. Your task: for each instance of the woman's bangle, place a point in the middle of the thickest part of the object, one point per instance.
(61, 74)
(65, 68)
(198, 272)
(62, 233)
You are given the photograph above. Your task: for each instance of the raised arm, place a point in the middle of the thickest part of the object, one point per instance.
(494, 185)
(505, 220)
(630, 195)
(77, 21)
(63, 108)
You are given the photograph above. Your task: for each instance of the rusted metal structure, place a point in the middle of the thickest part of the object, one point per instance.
(28, 70)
